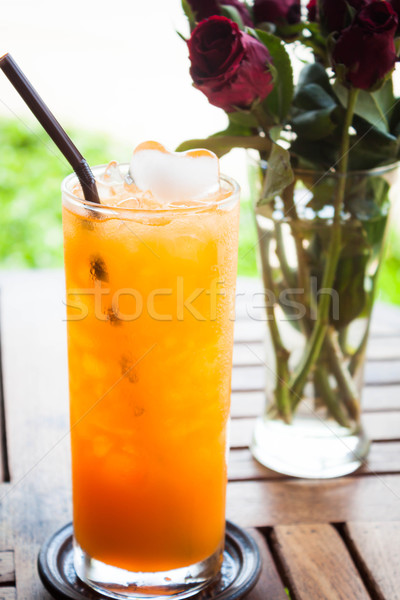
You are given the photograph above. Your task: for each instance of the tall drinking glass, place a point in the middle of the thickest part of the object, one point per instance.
(150, 302)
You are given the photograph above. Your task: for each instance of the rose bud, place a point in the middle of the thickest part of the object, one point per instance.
(279, 12)
(335, 15)
(202, 9)
(208, 8)
(312, 9)
(229, 66)
(366, 48)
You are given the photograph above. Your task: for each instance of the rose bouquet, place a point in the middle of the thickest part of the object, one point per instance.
(328, 148)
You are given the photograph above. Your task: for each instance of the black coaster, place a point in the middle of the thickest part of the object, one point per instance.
(239, 573)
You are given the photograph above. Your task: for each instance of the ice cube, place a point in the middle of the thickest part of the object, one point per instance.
(111, 182)
(175, 176)
(112, 175)
(141, 200)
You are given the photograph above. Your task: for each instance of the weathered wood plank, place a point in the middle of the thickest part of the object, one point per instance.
(7, 567)
(269, 586)
(384, 458)
(35, 388)
(268, 503)
(317, 564)
(379, 350)
(9, 593)
(378, 398)
(248, 330)
(250, 307)
(374, 399)
(247, 404)
(383, 426)
(6, 532)
(253, 378)
(376, 549)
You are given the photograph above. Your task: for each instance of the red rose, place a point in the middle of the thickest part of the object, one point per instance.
(277, 11)
(312, 8)
(208, 8)
(203, 9)
(230, 67)
(366, 48)
(334, 14)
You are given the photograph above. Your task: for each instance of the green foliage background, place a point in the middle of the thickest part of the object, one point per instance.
(31, 170)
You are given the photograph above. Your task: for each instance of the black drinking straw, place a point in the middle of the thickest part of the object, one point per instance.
(51, 126)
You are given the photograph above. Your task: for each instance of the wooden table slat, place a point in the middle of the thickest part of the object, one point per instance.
(252, 378)
(376, 547)
(379, 350)
(317, 564)
(374, 399)
(384, 458)
(267, 503)
(269, 586)
(36, 398)
(7, 567)
(378, 426)
(8, 593)
(253, 331)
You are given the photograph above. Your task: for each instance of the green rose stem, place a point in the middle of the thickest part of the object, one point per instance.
(316, 340)
(283, 374)
(330, 400)
(334, 356)
(358, 357)
(348, 392)
(282, 397)
(280, 252)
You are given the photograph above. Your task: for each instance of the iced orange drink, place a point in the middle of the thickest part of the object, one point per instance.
(150, 300)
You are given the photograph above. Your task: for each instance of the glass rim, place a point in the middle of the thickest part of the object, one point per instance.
(108, 208)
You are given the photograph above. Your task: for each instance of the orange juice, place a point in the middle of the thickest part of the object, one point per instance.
(150, 300)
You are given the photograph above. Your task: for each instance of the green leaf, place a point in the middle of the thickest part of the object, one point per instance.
(243, 118)
(312, 97)
(314, 154)
(233, 14)
(316, 124)
(394, 124)
(279, 174)
(189, 14)
(385, 98)
(315, 73)
(278, 102)
(288, 32)
(371, 147)
(264, 26)
(315, 31)
(367, 106)
(181, 36)
(221, 144)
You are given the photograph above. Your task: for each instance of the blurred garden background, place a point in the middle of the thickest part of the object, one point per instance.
(114, 76)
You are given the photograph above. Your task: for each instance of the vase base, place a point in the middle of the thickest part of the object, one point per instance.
(309, 448)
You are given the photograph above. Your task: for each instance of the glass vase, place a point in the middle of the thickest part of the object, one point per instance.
(312, 423)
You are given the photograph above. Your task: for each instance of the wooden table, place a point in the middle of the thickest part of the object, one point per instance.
(336, 539)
